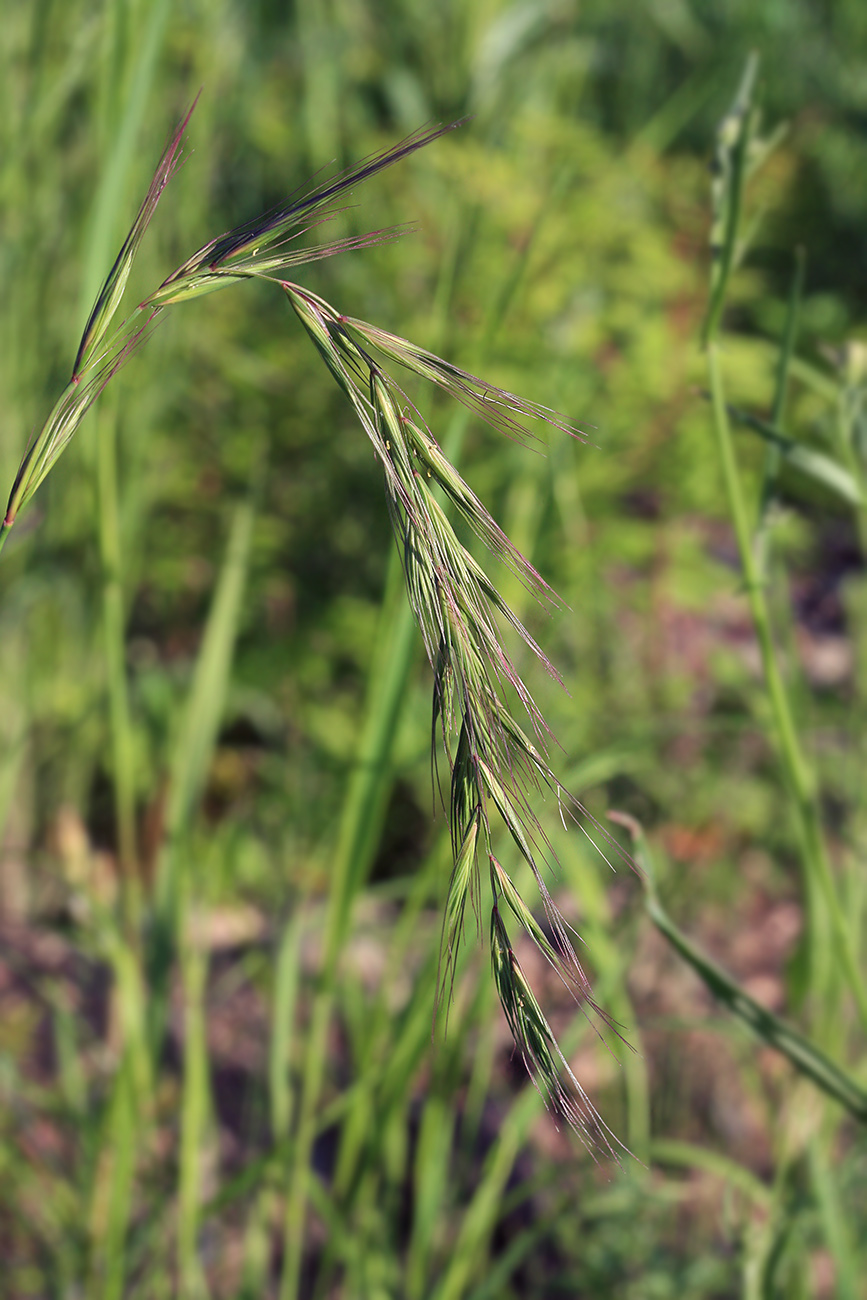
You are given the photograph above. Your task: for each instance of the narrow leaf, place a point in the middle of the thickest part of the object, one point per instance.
(815, 464)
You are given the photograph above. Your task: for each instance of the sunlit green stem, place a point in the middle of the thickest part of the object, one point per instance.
(817, 869)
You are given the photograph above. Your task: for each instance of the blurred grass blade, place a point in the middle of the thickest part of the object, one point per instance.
(112, 291)
(200, 722)
(433, 1156)
(144, 46)
(132, 1005)
(147, 31)
(284, 999)
(468, 1257)
(194, 746)
(371, 781)
(729, 168)
(833, 1214)
(803, 1054)
(770, 476)
(815, 464)
(14, 717)
(688, 1155)
(195, 1110)
(114, 643)
(111, 1203)
(790, 334)
(434, 1153)
(375, 1099)
(683, 105)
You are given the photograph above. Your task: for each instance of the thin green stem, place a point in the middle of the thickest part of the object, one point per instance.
(194, 1117)
(803, 1054)
(844, 428)
(731, 168)
(113, 619)
(112, 1193)
(817, 869)
(773, 453)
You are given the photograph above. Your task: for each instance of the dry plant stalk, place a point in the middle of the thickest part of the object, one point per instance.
(494, 764)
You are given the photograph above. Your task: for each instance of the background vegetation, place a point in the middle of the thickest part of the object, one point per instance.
(208, 675)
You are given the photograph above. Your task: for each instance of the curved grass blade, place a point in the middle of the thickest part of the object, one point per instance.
(801, 1052)
(815, 464)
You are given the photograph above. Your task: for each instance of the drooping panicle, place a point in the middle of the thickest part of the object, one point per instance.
(495, 767)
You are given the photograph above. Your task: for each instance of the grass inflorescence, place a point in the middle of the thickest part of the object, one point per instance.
(494, 765)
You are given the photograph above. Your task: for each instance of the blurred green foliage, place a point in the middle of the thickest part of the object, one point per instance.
(155, 1060)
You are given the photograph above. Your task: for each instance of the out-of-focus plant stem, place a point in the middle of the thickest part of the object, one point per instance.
(817, 868)
(803, 1054)
(735, 137)
(114, 645)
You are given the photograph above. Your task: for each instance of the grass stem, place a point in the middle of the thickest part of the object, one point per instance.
(801, 1052)
(819, 881)
(114, 646)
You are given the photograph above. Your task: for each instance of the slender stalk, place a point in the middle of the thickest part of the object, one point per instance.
(122, 117)
(112, 1193)
(833, 1215)
(773, 453)
(800, 1051)
(113, 619)
(819, 879)
(689, 1155)
(194, 1118)
(735, 140)
(803, 1054)
(844, 430)
(729, 172)
(194, 747)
